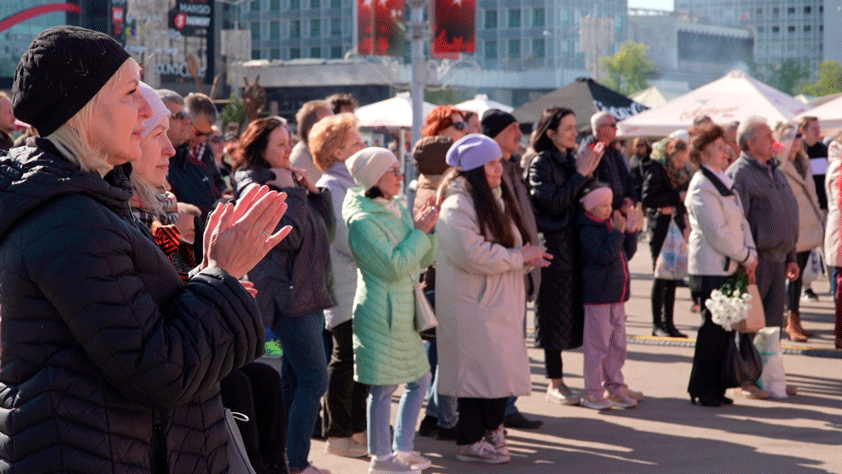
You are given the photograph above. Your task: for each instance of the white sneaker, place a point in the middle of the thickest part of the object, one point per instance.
(311, 469)
(346, 447)
(594, 402)
(620, 400)
(361, 438)
(414, 459)
(497, 438)
(390, 466)
(561, 395)
(481, 451)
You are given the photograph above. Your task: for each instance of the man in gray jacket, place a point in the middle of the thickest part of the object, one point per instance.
(772, 214)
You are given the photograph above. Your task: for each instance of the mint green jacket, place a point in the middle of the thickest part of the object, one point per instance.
(390, 252)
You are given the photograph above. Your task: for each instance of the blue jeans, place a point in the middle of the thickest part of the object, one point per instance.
(379, 411)
(304, 364)
(441, 407)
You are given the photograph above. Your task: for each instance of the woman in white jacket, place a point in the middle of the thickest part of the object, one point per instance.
(832, 244)
(720, 241)
(796, 167)
(484, 252)
(332, 141)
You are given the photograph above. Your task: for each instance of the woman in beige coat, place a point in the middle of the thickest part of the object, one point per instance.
(483, 255)
(796, 167)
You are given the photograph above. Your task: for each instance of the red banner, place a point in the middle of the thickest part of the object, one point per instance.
(381, 27)
(455, 27)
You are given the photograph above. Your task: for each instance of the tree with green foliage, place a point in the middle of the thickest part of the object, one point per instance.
(628, 70)
(234, 111)
(829, 82)
(787, 75)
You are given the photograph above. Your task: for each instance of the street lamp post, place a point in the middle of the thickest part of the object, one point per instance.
(417, 32)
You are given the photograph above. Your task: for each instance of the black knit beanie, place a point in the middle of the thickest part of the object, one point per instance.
(63, 69)
(495, 121)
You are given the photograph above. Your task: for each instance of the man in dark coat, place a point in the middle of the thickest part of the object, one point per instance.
(612, 170)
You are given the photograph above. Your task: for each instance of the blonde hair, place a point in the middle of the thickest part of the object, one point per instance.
(328, 135)
(148, 196)
(73, 138)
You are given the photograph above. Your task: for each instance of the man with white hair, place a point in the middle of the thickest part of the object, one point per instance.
(612, 170)
(772, 213)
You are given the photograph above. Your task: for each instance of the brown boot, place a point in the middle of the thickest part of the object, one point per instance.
(793, 328)
(800, 327)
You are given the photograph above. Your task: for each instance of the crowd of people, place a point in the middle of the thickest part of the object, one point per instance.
(149, 261)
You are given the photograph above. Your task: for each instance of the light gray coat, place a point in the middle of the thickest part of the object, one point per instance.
(480, 304)
(831, 183)
(339, 180)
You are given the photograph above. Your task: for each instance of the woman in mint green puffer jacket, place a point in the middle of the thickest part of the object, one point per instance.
(390, 248)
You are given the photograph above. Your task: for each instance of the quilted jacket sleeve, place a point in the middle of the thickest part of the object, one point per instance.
(156, 355)
(598, 248)
(377, 252)
(555, 198)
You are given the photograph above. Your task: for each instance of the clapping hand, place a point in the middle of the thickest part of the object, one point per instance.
(589, 159)
(427, 216)
(239, 236)
(536, 256)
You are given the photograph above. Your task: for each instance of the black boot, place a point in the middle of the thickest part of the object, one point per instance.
(669, 304)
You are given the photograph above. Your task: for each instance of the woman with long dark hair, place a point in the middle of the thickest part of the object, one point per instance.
(556, 179)
(664, 188)
(485, 251)
(293, 281)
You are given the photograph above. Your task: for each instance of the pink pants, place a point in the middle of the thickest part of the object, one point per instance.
(604, 347)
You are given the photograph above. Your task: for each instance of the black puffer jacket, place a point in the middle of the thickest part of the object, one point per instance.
(102, 341)
(294, 278)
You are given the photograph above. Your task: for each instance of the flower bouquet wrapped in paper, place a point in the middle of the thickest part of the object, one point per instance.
(729, 304)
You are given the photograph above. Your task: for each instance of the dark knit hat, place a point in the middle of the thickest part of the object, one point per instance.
(63, 69)
(495, 121)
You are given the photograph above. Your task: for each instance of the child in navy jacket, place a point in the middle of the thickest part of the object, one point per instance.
(606, 248)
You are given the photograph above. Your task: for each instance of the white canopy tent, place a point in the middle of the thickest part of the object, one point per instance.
(480, 103)
(829, 114)
(395, 112)
(733, 97)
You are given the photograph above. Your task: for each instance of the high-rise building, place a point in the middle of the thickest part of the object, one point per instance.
(511, 35)
(782, 28)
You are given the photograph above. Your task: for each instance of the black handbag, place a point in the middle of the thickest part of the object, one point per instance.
(742, 364)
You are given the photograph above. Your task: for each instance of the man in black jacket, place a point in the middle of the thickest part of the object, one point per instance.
(193, 176)
(612, 170)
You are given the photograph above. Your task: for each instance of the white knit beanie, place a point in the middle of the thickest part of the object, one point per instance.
(368, 165)
(159, 110)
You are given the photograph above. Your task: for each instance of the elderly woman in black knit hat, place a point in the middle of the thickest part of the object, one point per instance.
(108, 356)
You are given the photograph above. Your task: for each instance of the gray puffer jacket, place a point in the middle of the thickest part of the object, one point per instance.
(110, 363)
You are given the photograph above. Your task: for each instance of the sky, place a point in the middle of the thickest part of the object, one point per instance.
(653, 4)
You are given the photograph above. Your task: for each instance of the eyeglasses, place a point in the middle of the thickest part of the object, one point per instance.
(798, 136)
(396, 171)
(200, 134)
(216, 139)
(180, 115)
(460, 125)
(612, 125)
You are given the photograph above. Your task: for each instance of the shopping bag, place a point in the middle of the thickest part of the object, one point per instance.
(756, 319)
(773, 378)
(742, 365)
(671, 263)
(813, 269)
(425, 317)
(238, 458)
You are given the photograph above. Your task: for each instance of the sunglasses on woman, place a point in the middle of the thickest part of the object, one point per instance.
(460, 125)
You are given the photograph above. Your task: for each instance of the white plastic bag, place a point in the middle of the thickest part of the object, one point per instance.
(813, 268)
(773, 378)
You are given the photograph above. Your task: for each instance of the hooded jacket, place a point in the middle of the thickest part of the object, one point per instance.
(605, 256)
(389, 253)
(110, 363)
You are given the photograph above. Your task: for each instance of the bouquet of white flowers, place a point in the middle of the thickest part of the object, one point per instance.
(729, 304)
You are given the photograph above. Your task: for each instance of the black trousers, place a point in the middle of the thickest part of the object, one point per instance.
(711, 344)
(345, 400)
(553, 364)
(663, 301)
(256, 390)
(478, 415)
(793, 288)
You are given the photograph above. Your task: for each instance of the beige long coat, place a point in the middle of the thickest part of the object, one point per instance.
(480, 304)
(831, 183)
(810, 216)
